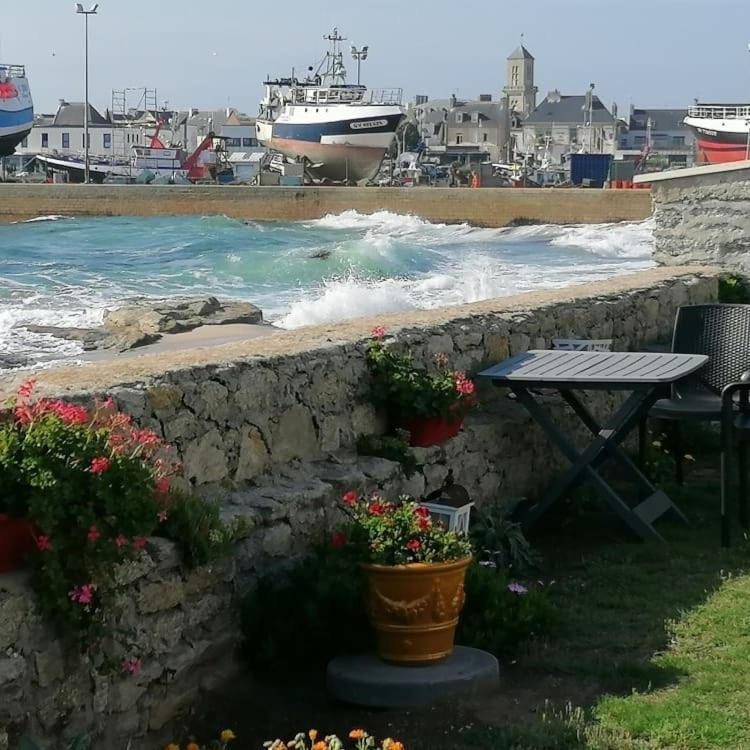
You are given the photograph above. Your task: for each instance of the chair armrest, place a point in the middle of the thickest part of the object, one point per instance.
(728, 402)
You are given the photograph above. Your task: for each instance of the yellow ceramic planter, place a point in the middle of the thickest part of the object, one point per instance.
(414, 609)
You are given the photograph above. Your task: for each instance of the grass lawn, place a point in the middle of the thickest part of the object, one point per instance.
(652, 651)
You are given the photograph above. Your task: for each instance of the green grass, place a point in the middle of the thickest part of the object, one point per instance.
(654, 641)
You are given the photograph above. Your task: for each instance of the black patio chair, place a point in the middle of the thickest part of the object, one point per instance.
(722, 332)
(735, 434)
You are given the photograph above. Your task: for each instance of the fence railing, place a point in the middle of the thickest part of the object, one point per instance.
(385, 96)
(12, 71)
(720, 112)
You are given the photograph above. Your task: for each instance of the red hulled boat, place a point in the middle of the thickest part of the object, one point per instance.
(722, 131)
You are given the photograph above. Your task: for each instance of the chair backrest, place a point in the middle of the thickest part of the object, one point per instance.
(583, 345)
(720, 331)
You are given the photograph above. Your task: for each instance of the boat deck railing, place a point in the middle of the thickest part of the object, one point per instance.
(12, 71)
(385, 96)
(720, 111)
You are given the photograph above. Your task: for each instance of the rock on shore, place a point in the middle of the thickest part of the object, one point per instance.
(143, 322)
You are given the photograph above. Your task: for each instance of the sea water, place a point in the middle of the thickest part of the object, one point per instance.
(69, 271)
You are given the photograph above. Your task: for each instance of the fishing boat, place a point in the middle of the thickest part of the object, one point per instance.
(722, 131)
(16, 107)
(339, 131)
(155, 162)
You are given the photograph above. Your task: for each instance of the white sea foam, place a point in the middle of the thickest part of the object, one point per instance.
(51, 217)
(623, 240)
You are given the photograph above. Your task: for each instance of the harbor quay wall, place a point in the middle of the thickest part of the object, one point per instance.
(702, 215)
(269, 427)
(487, 207)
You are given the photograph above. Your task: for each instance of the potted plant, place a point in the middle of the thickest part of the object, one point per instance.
(94, 485)
(415, 576)
(430, 406)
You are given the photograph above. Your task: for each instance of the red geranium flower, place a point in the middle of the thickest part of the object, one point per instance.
(338, 540)
(43, 543)
(414, 545)
(378, 332)
(377, 509)
(350, 498)
(93, 534)
(100, 465)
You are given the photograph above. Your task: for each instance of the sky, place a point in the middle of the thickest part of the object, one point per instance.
(211, 55)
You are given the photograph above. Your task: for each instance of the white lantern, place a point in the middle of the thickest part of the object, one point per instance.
(450, 506)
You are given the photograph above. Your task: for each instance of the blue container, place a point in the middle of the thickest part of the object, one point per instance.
(591, 170)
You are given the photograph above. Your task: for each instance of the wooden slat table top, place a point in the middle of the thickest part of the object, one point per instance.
(594, 369)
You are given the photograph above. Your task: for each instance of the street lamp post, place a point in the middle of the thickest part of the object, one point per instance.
(359, 55)
(86, 13)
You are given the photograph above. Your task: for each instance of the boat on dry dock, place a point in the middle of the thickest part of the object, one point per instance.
(16, 107)
(339, 131)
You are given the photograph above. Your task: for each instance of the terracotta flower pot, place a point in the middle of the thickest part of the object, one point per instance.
(432, 431)
(414, 609)
(17, 541)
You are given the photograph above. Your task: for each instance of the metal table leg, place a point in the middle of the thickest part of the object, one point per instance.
(583, 465)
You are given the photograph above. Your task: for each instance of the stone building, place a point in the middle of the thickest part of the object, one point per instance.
(660, 134)
(466, 131)
(564, 124)
(520, 90)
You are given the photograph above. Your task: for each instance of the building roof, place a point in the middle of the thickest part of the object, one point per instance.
(661, 119)
(71, 115)
(562, 109)
(520, 53)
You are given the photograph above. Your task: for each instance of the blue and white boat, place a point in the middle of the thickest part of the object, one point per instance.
(340, 131)
(16, 107)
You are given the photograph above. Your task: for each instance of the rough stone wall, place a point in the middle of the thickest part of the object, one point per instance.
(274, 438)
(704, 219)
(490, 207)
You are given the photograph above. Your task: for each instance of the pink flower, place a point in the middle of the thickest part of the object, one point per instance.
(338, 540)
(517, 588)
(147, 438)
(162, 515)
(68, 413)
(121, 540)
(108, 404)
(414, 545)
(350, 498)
(26, 388)
(462, 384)
(82, 594)
(43, 543)
(131, 665)
(94, 534)
(377, 509)
(100, 465)
(378, 332)
(162, 486)
(139, 542)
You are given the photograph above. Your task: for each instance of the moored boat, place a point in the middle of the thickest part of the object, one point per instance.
(16, 107)
(722, 131)
(340, 131)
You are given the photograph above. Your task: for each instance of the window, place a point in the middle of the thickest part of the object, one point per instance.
(640, 140)
(249, 142)
(459, 117)
(459, 138)
(45, 140)
(107, 140)
(678, 140)
(25, 143)
(66, 140)
(475, 117)
(484, 137)
(234, 142)
(514, 76)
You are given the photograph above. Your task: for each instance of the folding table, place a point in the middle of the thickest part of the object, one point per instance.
(644, 375)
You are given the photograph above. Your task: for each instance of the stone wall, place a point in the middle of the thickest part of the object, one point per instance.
(269, 427)
(491, 207)
(702, 215)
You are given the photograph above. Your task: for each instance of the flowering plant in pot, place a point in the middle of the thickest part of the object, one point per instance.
(94, 486)
(415, 573)
(430, 405)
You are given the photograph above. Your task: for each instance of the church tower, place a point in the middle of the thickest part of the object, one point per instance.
(520, 88)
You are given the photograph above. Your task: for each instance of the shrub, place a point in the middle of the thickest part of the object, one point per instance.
(500, 541)
(196, 527)
(304, 619)
(500, 614)
(323, 598)
(392, 448)
(734, 289)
